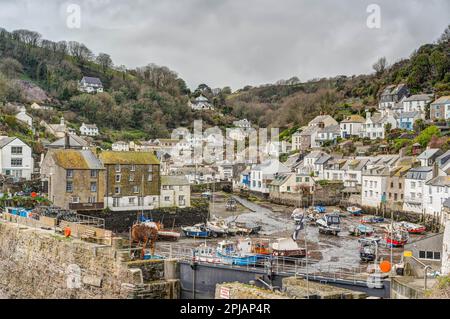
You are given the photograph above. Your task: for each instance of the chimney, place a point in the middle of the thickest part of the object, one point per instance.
(66, 141)
(368, 115)
(62, 120)
(435, 169)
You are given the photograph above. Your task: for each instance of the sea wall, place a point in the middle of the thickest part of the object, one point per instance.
(121, 222)
(37, 263)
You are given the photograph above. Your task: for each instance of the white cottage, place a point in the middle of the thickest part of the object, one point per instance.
(15, 158)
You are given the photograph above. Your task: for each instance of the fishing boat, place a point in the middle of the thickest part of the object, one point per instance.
(329, 224)
(287, 247)
(412, 228)
(217, 227)
(196, 231)
(368, 249)
(371, 219)
(355, 211)
(254, 228)
(206, 254)
(360, 230)
(235, 229)
(229, 253)
(298, 215)
(397, 238)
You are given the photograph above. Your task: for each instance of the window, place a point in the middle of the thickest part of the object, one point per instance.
(75, 200)
(131, 200)
(118, 176)
(167, 198)
(118, 168)
(93, 187)
(116, 202)
(69, 187)
(117, 190)
(429, 255)
(16, 150)
(150, 178)
(150, 168)
(136, 189)
(69, 173)
(432, 255)
(131, 178)
(16, 162)
(91, 199)
(133, 168)
(93, 173)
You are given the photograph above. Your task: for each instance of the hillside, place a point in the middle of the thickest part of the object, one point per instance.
(150, 101)
(143, 103)
(287, 105)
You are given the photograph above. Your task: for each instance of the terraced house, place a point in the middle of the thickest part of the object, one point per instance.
(132, 180)
(75, 179)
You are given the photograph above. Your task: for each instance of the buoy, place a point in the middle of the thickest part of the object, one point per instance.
(67, 232)
(385, 266)
(33, 194)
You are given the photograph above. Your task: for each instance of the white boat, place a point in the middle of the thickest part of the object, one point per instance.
(218, 227)
(287, 247)
(329, 224)
(206, 254)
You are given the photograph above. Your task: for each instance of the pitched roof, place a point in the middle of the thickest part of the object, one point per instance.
(74, 141)
(76, 159)
(439, 181)
(309, 131)
(280, 179)
(442, 100)
(407, 115)
(418, 173)
(137, 158)
(354, 119)
(6, 140)
(419, 97)
(323, 118)
(91, 80)
(430, 153)
(91, 126)
(331, 129)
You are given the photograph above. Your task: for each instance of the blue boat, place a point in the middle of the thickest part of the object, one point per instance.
(320, 209)
(360, 230)
(228, 253)
(196, 231)
(355, 211)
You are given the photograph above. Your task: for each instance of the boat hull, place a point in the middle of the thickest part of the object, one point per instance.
(196, 234)
(239, 260)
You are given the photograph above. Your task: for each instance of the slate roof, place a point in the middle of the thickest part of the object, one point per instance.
(418, 97)
(74, 142)
(430, 153)
(309, 131)
(419, 173)
(91, 80)
(354, 119)
(407, 115)
(442, 100)
(6, 140)
(440, 181)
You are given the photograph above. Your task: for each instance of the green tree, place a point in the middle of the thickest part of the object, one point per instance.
(426, 135)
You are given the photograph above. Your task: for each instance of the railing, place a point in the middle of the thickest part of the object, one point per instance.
(287, 266)
(86, 206)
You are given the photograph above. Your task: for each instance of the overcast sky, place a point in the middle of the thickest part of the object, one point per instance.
(239, 42)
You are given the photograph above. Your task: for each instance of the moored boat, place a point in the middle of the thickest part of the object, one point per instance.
(217, 227)
(196, 231)
(355, 211)
(360, 230)
(287, 247)
(206, 254)
(412, 228)
(368, 249)
(396, 238)
(228, 252)
(371, 219)
(168, 235)
(329, 224)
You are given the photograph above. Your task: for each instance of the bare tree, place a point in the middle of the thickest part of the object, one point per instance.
(105, 61)
(28, 37)
(380, 65)
(80, 52)
(445, 35)
(10, 67)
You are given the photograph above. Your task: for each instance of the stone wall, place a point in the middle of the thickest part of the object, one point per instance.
(121, 222)
(238, 290)
(36, 263)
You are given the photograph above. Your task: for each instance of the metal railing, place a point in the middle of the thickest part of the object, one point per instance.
(288, 266)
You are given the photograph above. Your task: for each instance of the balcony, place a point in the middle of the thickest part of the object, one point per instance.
(86, 206)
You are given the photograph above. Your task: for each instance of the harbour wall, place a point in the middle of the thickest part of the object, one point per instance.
(40, 264)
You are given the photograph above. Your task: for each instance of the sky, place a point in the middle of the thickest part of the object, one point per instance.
(239, 42)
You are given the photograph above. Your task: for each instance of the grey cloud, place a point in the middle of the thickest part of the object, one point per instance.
(230, 42)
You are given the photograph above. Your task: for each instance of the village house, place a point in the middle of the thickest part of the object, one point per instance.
(89, 129)
(175, 191)
(328, 134)
(351, 126)
(71, 141)
(120, 146)
(309, 166)
(320, 165)
(306, 138)
(262, 175)
(15, 158)
(415, 180)
(24, 117)
(440, 109)
(375, 125)
(406, 120)
(322, 121)
(334, 170)
(132, 180)
(58, 130)
(391, 95)
(417, 103)
(90, 85)
(243, 124)
(75, 179)
(435, 192)
(429, 156)
(197, 174)
(225, 170)
(36, 106)
(396, 184)
(283, 183)
(200, 103)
